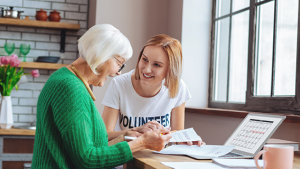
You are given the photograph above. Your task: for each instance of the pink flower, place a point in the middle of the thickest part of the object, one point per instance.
(14, 56)
(5, 60)
(15, 62)
(35, 73)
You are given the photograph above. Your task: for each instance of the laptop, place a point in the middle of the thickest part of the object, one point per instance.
(250, 136)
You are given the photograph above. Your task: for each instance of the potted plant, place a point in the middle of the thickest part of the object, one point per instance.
(9, 77)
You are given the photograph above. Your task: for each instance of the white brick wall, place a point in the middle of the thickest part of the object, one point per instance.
(43, 42)
(32, 86)
(37, 4)
(49, 31)
(36, 93)
(2, 42)
(76, 15)
(27, 118)
(65, 7)
(22, 110)
(35, 37)
(82, 24)
(36, 53)
(21, 93)
(33, 110)
(69, 39)
(41, 78)
(11, 2)
(70, 47)
(51, 46)
(66, 55)
(28, 102)
(78, 1)
(83, 8)
(10, 35)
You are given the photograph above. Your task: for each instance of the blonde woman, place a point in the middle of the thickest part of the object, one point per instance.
(150, 97)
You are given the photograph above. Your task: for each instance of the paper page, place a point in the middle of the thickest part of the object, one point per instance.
(185, 135)
(130, 138)
(204, 150)
(185, 165)
(238, 162)
(202, 165)
(179, 136)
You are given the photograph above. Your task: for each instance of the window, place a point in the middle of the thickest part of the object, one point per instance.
(254, 56)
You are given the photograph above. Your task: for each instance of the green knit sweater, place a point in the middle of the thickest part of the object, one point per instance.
(70, 131)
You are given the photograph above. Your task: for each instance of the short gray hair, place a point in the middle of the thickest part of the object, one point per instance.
(100, 43)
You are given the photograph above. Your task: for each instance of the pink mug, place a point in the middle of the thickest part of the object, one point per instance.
(276, 157)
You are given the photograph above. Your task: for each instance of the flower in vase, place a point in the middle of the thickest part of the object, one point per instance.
(15, 62)
(35, 73)
(5, 60)
(10, 75)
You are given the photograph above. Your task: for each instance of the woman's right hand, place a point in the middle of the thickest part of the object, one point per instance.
(156, 139)
(151, 125)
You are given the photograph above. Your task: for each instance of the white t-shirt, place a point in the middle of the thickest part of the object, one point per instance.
(135, 110)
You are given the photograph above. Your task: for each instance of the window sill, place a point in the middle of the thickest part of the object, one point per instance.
(290, 118)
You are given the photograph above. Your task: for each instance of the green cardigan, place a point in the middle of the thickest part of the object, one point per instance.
(70, 131)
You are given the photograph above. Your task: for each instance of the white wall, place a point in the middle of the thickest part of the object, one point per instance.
(138, 21)
(195, 47)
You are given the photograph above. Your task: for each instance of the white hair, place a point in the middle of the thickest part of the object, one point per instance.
(102, 42)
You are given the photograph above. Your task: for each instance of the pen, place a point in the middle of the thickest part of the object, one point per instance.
(170, 131)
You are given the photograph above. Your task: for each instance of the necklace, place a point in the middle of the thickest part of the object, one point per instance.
(84, 82)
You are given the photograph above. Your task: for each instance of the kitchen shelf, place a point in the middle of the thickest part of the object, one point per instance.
(19, 132)
(40, 65)
(43, 24)
(38, 24)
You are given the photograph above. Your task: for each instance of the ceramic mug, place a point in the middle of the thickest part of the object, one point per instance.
(276, 157)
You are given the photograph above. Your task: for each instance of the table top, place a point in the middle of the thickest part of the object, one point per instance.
(148, 159)
(17, 132)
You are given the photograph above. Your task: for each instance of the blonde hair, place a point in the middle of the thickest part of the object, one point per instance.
(100, 43)
(174, 51)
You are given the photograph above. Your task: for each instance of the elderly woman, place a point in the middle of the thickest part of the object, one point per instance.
(70, 131)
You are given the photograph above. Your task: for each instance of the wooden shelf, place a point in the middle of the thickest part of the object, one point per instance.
(39, 24)
(19, 132)
(43, 24)
(40, 65)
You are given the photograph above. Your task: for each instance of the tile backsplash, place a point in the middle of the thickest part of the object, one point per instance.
(43, 42)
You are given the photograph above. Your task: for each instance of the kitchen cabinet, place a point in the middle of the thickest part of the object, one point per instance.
(16, 148)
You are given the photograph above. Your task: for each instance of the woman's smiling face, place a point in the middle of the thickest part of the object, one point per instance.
(153, 65)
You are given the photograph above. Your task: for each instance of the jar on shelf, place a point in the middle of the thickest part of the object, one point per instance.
(54, 16)
(41, 15)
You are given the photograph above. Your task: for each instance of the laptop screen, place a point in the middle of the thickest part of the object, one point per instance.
(250, 136)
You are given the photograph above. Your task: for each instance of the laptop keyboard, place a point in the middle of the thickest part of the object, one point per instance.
(231, 155)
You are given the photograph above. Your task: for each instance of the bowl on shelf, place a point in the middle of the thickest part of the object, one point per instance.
(48, 59)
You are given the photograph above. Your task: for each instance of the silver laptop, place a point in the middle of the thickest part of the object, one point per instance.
(251, 135)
